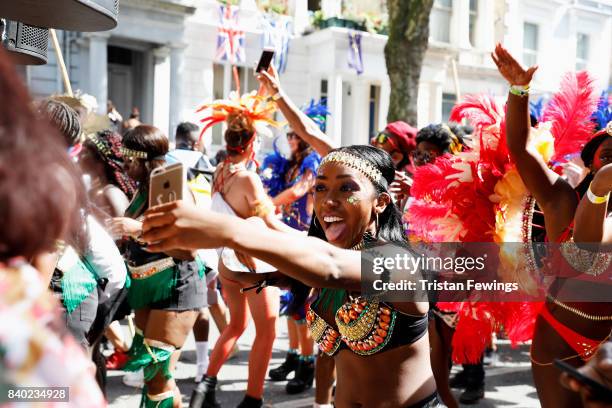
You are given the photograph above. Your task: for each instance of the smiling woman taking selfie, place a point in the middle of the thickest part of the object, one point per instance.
(389, 364)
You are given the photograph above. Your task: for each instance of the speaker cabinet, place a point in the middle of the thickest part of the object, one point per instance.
(27, 45)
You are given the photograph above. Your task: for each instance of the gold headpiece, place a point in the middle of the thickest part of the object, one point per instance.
(133, 153)
(357, 163)
(609, 128)
(456, 146)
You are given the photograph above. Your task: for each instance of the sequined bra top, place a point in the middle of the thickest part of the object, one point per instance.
(365, 326)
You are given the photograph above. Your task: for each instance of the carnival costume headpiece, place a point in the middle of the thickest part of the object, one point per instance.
(478, 196)
(257, 110)
(318, 112)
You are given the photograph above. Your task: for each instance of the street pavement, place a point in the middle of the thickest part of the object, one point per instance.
(508, 382)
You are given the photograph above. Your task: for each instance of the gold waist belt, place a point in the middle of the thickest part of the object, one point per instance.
(150, 269)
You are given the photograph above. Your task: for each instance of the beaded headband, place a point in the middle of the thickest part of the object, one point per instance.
(133, 153)
(356, 163)
(102, 148)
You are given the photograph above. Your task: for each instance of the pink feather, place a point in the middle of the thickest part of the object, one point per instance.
(479, 109)
(570, 111)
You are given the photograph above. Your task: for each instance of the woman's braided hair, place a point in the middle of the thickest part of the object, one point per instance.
(107, 147)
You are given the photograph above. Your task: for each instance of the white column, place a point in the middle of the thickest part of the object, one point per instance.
(161, 88)
(360, 110)
(485, 25)
(331, 8)
(177, 71)
(513, 39)
(460, 34)
(435, 102)
(383, 107)
(299, 10)
(98, 69)
(334, 102)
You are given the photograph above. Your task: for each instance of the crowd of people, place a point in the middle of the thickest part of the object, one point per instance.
(82, 249)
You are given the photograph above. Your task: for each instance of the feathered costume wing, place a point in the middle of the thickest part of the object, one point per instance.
(478, 196)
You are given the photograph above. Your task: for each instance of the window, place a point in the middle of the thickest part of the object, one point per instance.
(441, 20)
(473, 21)
(448, 101)
(582, 51)
(373, 121)
(314, 5)
(530, 44)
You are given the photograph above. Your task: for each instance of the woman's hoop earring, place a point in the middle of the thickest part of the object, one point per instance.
(314, 222)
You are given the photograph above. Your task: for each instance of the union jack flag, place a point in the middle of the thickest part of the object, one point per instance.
(230, 40)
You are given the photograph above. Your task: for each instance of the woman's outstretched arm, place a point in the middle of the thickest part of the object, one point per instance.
(301, 124)
(554, 195)
(309, 260)
(591, 224)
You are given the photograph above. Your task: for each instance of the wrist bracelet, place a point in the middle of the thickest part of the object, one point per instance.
(595, 199)
(277, 96)
(519, 90)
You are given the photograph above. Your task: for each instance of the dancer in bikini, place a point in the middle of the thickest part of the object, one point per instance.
(388, 363)
(167, 289)
(240, 193)
(571, 331)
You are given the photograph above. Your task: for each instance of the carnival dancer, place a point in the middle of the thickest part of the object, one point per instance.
(572, 331)
(199, 172)
(240, 193)
(109, 190)
(167, 289)
(296, 178)
(387, 363)
(40, 192)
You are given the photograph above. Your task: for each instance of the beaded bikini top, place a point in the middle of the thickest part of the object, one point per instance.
(365, 326)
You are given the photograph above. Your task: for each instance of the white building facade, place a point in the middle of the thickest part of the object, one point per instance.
(160, 58)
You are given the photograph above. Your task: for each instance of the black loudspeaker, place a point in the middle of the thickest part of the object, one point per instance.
(27, 45)
(74, 15)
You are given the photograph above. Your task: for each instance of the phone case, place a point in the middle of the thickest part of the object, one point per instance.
(166, 184)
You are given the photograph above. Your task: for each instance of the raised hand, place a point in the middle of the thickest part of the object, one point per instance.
(269, 80)
(510, 69)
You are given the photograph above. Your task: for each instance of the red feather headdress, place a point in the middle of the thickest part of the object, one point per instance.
(257, 109)
(570, 112)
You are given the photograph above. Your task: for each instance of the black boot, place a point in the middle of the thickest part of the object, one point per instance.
(203, 396)
(474, 387)
(288, 366)
(459, 380)
(250, 402)
(304, 376)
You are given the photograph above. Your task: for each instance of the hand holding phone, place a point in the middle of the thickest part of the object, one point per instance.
(265, 60)
(166, 184)
(597, 390)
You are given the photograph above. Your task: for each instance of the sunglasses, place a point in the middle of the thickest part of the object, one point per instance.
(292, 136)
